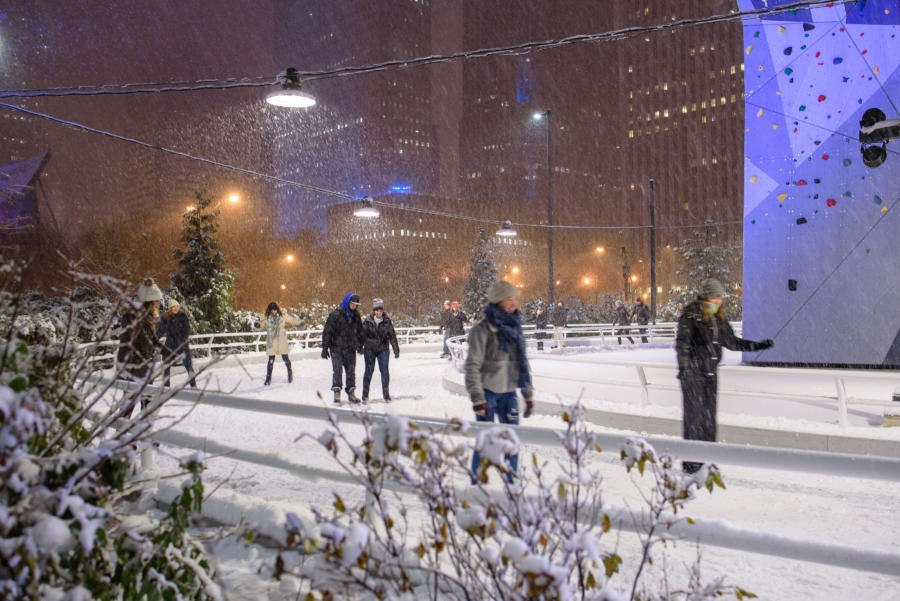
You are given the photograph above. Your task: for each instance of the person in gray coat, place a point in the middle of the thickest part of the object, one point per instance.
(496, 365)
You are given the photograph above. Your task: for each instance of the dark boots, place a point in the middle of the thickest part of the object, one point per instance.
(365, 398)
(290, 372)
(269, 366)
(337, 395)
(386, 394)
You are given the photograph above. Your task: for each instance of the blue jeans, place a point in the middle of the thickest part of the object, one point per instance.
(185, 360)
(446, 336)
(505, 407)
(382, 358)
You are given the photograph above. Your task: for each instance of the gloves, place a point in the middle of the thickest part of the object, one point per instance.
(325, 354)
(397, 355)
(528, 395)
(764, 344)
(480, 408)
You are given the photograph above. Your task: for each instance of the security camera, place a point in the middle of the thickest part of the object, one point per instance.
(875, 128)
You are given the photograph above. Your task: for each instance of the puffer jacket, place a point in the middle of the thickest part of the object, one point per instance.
(177, 331)
(137, 345)
(343, 334)
(377, 337)
(700, 339)
(455, 322)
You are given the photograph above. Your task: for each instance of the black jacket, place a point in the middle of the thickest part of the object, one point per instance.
(540, 320)
(137, 345)
(560, 317)
(455, 323)
(176, 329)
(699, 342)
(443, 325)
(641, 314)
(622, 316)
(340, 335)
(378, 336)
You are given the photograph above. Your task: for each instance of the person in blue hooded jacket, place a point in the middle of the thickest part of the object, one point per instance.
(342, 338)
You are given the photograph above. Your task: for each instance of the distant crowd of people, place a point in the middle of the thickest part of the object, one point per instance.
(496, 364)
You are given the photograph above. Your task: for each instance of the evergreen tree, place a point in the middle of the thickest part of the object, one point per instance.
(203, 281)
(706, 255)
(482, 272)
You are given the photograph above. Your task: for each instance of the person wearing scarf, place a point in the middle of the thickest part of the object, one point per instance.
(342, 338)
(496, 365)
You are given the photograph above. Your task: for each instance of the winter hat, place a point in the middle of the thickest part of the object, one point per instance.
(149, 291)
(638, 300)
(501, 289)
(454, 305)
(446, 302)
(174, 303)
(354, 299)
(377, 303)
(711, 287)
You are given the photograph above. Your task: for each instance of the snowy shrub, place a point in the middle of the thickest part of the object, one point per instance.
(544, 534)
(70, 524)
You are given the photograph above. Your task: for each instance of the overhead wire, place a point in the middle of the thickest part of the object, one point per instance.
(611, 35)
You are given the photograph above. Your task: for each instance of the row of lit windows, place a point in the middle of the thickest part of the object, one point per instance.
(733, 70)
(403, 233)
(509, 241)
(648, 130)
(722, 101)
(415, 143)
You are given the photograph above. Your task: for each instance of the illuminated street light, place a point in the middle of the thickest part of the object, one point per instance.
(234, 198)
(506, 229)
(634, 278)
(290, 94)
(366, 209)
(283, 287)
(587, 281)
(601, 250)
(289, 258)
(189, 208)
(515, 270)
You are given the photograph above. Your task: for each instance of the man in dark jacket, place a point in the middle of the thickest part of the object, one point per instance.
(641, 316)
(341, 340)
(455, 321)
(541, 320)
(378, 338)
(622, 321)
(560, 319)
(176, 328)
(702, 332)
(445, 313)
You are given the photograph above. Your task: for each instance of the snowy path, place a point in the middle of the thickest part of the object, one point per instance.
(836, 510)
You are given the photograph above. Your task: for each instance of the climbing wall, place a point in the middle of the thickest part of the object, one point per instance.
(821, 229)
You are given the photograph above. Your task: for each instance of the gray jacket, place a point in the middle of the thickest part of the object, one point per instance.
(486, 365)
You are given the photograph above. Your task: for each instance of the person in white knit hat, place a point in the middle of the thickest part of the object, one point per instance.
(138, 343)
(378, 340)
(495, 366)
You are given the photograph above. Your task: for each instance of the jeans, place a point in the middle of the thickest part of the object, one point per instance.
(185, 360)
(382, 358)
(505, 406)
(347, 363)
(446, 336)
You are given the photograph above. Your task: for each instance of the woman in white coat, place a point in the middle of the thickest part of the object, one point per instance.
(276, 341)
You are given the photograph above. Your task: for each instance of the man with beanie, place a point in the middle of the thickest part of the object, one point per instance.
(341, 340)
(445, 313)
(702, 332)
(496, 365)
(378, 338)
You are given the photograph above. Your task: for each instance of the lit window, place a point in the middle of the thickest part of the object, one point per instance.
(712, 103)
(683, 109)
(656, 114)
(666, 86)
(666, 113)
(703, 104)
(630, 69)
(630, 133)
(722, 100)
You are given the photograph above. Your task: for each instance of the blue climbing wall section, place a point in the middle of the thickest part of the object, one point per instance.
(821, 229)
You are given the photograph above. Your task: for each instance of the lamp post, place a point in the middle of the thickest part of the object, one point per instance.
(550, 280)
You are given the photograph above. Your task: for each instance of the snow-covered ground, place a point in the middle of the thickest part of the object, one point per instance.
(838, 510)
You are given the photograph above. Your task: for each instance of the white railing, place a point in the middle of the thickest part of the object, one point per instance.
(711, 532)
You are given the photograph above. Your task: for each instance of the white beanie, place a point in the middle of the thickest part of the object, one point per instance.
(377, 304)
(149, 291)
(501, 289)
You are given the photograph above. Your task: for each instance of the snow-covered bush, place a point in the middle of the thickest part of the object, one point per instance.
(71, 523)
(544, 534)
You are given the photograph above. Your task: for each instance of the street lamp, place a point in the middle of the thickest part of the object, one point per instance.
(290, 94)
(506, 229)
(367, 209)
(234, 198)
(538, 116)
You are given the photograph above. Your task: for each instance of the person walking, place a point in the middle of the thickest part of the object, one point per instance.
(641, 316)
(496, 365)
(456, 321)
(560, 320)
(540, 324)
(445, 313)
(378, 338)
(622, 321)
(341, 340)
(138, 344)
(702, 332)
(175, 327)
(276, 342)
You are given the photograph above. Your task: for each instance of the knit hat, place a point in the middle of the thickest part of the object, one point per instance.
(446, 302)
(377, 303)
(149, 291)
(501, 289)
(454, 305)
(638, 300)
(174, 303)
(710, 288)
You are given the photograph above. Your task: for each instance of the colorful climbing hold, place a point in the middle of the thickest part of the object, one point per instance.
(837, 60)
(808, 27)
(825, 157)
(831, 202)
(821, 98)
(754, 179)
(884, 209)
(802, 107)
(848, 162)
(782, 196)
(788, 50)
(760, 112)
(802, 182)
(877, 199)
